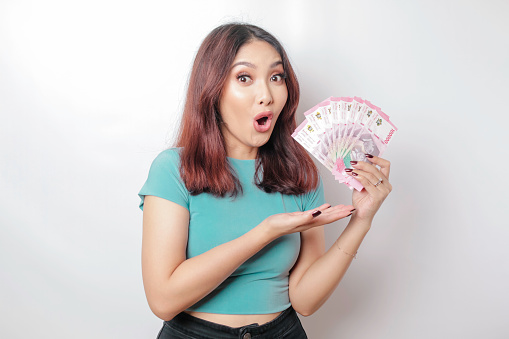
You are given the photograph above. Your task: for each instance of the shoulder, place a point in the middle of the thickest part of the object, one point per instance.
(170, 155)
(164, 179)
(168, 159)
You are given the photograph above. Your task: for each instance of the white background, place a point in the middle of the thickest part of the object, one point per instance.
(91, 92)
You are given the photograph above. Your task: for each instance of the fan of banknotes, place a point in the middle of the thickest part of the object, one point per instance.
(341, 129)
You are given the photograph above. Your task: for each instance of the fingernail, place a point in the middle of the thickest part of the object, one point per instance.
(353, 162)
(368, 155)
(353, 210)
(348, 170)
(349, 215)
(354, 174)
(316, 213)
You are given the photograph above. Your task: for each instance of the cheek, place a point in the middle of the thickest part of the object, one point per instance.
(283, 97)
(236, 94)
(234, 99)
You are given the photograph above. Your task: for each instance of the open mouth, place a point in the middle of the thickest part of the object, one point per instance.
(262, 121)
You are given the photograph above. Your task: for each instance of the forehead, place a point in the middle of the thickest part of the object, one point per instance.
(257, 52)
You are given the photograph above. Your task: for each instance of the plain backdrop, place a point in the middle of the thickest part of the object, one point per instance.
(91, 91)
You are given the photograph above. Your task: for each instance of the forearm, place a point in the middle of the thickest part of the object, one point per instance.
(196, 277)
(324, 275)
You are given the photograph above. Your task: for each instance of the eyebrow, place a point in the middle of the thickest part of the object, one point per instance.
(248, 64)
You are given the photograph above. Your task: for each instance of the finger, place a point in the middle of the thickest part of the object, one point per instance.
(333, 213)
(338, 209)
(316, 211)
(385, 165)
(326, 211)
(372, 179)
(310, 212)
(362, 177)
(383, 186)
(323, 207)
(367, 167)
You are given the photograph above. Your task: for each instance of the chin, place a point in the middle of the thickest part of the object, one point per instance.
(261, 142)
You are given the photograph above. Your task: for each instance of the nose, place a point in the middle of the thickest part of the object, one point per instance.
(264, 94)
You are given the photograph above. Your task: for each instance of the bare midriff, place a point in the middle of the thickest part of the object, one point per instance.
(235, 320)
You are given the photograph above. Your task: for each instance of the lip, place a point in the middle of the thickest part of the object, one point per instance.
(266, 127)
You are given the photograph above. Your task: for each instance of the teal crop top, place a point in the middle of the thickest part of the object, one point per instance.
(259, 285)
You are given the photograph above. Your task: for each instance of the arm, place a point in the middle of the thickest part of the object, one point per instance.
(316, 274)
(173, 283)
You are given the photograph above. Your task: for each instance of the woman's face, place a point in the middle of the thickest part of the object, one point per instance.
(252, 99)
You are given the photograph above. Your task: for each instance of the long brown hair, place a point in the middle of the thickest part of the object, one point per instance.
(285, 165)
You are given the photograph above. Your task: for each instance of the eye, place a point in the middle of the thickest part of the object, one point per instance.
(243, 78)
(277, 77)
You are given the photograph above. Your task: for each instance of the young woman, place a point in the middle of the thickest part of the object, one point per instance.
(233, 237)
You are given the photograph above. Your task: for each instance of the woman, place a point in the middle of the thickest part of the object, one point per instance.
(233, 238)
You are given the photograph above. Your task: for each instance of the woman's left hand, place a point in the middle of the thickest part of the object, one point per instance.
(376, 186)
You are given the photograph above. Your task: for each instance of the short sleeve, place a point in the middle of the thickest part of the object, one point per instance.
(164, 180)
(314, 198)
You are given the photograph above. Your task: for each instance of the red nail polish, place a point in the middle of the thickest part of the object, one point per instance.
(353, 210)
(349, 215)
(348, 170)
(354, 174)
(316, 213)
(368, 155)
(353, 162)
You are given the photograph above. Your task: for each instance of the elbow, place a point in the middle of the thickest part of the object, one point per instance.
(303, 306)
(166, 316)
(165, 306)
(162, 310)
(305, 312)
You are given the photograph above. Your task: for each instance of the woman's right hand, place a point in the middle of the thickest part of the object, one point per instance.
(285, 223)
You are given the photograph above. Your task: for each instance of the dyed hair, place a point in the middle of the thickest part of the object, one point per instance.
(282, 165)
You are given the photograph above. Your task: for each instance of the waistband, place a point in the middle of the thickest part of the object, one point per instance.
(191, 325)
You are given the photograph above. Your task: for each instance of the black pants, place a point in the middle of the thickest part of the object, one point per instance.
(185, 326)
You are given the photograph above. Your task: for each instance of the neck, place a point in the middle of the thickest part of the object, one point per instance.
(241, 152)
(236, 149)
(243, 155)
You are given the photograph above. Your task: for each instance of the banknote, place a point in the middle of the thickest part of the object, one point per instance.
(338, 130)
